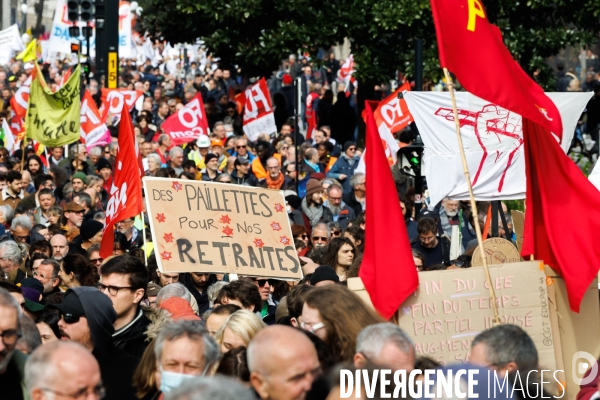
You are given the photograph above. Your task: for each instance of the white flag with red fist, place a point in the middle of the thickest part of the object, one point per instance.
(187, 124)
(113, 100)
(258, 114)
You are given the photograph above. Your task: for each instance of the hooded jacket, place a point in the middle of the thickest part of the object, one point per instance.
(201, 299)
(116, 367)
(131, 338)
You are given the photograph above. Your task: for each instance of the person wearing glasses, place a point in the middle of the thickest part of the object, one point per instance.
(268, 305)
(87, 317)
(51, 369)
(242, 174)
(124, 281)
(275, 179)
(133, 236)
(344, 167)
(342, 214)
(436, 249)
(12, 360)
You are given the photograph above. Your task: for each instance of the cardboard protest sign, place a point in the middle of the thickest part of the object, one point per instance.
(518, 219)
(497, 251)
(213, 227)
(451, 307)
(258, 114)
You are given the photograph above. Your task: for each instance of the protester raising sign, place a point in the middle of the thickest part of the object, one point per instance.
(214, 227)
(188, 123)
(53, 118)
(93, 131)
(258, 116)
(452, 307)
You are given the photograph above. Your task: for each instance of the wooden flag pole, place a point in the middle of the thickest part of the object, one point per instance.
(23, 146)
(450, 84)
(144, 236)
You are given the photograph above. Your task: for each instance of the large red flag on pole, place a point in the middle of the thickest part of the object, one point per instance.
(472, 49)
(388, 270)
(126, 190)
(562, 217)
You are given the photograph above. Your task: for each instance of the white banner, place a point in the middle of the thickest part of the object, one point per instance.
(10, 43)
(60, 40)
(125, 41)
(493, 141)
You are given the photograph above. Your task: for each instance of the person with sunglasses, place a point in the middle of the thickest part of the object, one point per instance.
(345, 166)
(51, 370)
(241, 150)
(87, 317)
(12, 378)
(267, 312)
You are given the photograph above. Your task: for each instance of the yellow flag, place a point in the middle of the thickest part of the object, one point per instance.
(29, 54)
(53, 118)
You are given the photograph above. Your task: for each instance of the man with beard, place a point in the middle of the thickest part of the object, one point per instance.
(12, 361)
(436, 249)
(449, 215)
(48, 274)
(312, 204)
(275, 179)
(73, 216)
(342, 214)
(60, 247)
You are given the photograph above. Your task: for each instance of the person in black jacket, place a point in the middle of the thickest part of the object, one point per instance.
(87, 317)
(198, 284)
(129, 274)
(242, 174)
(343, 119)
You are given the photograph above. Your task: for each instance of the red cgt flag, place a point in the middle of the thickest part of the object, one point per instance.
(472, 48)
(388, 272)
(562, 217)
(126, 190)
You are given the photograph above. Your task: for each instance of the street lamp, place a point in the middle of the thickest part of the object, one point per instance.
(24, 9)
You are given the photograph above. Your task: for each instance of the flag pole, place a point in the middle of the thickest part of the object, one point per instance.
(450, 84)
(144, 236)
(23, 153)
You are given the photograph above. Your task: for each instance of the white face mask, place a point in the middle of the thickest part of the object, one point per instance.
(172, 380)
(288, 208)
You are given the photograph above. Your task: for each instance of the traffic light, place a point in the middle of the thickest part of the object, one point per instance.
(73, 10)
(411, 159)
(87, 10)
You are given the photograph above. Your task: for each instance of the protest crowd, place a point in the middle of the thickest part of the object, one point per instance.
(75, 324)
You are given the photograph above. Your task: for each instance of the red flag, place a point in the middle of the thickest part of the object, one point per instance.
(562, 215)
(93, 130)
(113, 99)
(312, 125)
(126, 190)
(240, 100)
(388, 283)
(188, 123)
(472, 48)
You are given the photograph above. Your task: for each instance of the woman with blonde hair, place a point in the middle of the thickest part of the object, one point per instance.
(238, 330)
(337, 315)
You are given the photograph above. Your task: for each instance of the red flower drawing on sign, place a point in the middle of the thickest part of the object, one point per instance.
(284, 240)
(227, 231)
(168, 237)
(161, 217)
(225, 219)
(166, 255)
(259, 243)
(275, 226)
(279, 207)
(177, 186)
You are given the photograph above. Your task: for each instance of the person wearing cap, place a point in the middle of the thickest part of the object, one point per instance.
(312, 204)
(79, 182)
(287, 90)
(24, 296)
(32, 295)
(87, 317)
(216, 147)
(73, 216)
(324, 275)
(90, 233)
(179, 308)
(294, 209)
(211, 171)
(203, 145)
(344, 167)
(152, 291)
(104, 169)
(12, 361)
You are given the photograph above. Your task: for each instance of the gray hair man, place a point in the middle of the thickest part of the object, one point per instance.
(176, 159)
(10, 358)
(504, 348)
(184, 350)
(216, 387)
(20, 228)
(10, 260)
(320, 235)
(64, 369)
(283, 363)
(385, 345)
(48, 274)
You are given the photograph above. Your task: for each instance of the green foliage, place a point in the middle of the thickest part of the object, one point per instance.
(258, 34)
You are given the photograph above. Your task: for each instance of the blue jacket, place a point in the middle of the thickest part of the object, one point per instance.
(342, 166)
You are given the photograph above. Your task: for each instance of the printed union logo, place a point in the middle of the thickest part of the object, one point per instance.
(581, 362)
